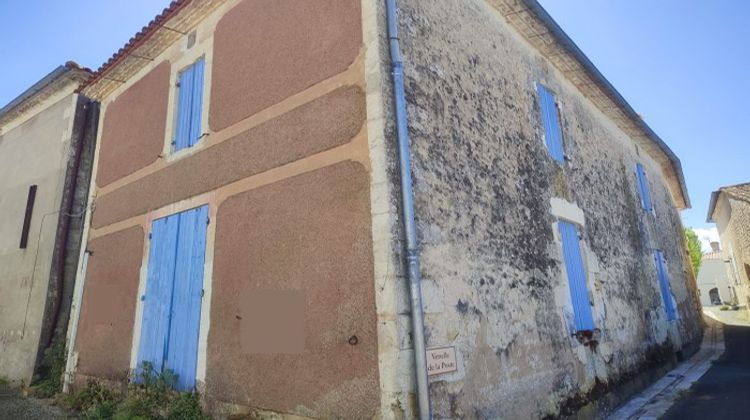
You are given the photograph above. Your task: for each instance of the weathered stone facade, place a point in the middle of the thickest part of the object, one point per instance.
(730, 210)
(488, 197)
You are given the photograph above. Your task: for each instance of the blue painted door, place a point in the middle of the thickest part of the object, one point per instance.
(551, 121)
(579, 293)
(182, 347)
(666, 291)
(174, 291)
(157, 299)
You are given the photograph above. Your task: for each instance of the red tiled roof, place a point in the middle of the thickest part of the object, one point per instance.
(137, 40)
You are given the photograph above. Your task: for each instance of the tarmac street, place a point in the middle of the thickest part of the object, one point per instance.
(724, 391)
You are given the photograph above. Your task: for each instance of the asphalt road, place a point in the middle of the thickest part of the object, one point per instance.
(724, 391)
(15, 407)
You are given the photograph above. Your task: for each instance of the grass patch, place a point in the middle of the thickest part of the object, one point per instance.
(151, 396)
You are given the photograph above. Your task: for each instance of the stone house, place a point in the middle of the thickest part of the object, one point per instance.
(714, 284)
(730, 210)
(255, 215)
(46, 151)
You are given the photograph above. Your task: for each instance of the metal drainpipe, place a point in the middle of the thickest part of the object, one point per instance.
(407, 208)
(70, 366)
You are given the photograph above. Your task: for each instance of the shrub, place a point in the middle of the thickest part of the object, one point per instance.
(150, 396)
(54, 362)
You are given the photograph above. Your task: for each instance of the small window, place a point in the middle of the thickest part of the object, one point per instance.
(27, 217)
(577, 281)
(551, 120)
(640, 174)
(666, 291)
(189, 106)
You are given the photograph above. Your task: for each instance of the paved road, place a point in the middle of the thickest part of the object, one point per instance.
(724, 391)
(15, 407)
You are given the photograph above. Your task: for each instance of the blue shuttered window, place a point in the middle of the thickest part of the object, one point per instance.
(579, 293)
(189, 106)
(174, 290)
(640, 175)
(551, 120)
(666, 291)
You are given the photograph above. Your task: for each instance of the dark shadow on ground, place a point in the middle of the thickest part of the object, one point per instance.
(724, 391)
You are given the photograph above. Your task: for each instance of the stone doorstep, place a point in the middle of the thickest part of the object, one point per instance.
(655, 400)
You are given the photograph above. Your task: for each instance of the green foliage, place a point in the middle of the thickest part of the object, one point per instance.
(93, 395)
(187, 407)
(152, 396)
(694, 249)
(54, 360)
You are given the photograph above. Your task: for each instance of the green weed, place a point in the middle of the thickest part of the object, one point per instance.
(54, 360)
(150, 396)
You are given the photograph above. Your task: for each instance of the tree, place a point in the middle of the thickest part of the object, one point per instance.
(694, 249)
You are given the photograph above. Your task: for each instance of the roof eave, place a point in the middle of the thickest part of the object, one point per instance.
(69, 69)
(567, 43)
(712, 206)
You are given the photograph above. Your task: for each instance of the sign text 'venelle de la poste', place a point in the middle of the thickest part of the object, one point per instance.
(441, 360)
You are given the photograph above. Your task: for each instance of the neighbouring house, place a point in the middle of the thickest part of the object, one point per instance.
(730, 210)
(47, 139)
(714, 284)
(251, 218)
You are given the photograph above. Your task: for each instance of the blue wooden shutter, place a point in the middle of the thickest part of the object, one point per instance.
(189, 106)
(666, 292)
(643, 187)
(196, 102)
(182, 354)
(551, 120)
(157, 300)
(579, 293)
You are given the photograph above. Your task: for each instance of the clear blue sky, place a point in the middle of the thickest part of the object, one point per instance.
(682, 64)
(39, 35)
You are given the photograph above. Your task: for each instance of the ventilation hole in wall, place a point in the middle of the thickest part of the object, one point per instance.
(191, 39)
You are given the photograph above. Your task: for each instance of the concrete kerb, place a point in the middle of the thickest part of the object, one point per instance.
(655, 400)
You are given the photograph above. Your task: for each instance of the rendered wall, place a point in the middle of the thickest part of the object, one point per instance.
(487, 198)
(284, 168)
(713, 274)
(133, 131)
(108, 308)
(33, 153)
(309, 234)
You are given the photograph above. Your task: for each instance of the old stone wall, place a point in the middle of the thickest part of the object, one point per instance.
(734, 229)
(488, 197)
